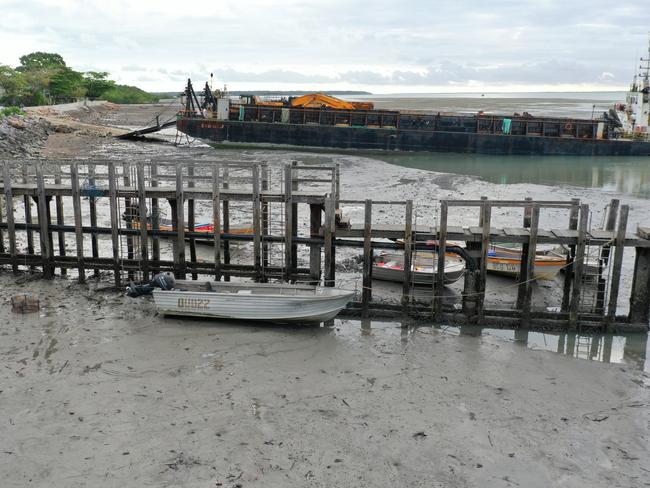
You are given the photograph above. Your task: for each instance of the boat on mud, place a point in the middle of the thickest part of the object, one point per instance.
(166, 225)
(264, 302)
(506, 261)
(389, 266)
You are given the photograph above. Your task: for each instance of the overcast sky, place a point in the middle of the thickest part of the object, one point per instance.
(380, 46)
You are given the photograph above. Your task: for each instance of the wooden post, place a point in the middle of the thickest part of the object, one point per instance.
(216, 219)
(640, 296)
(486, 218)
(315, 223)
(257, 231)
(439, 283)
(366, 293)
(142, 220)
(11, 227)
(226, 221)
(530, 266)
(408, 255)
(578, 266)
(265, 221)
(155, 218)
(191, 221)
(618, 263)
(330, 266)
(128, 211)
(288, 224)
(60, 220)
(524, 271)
(179, 248)
(604, 257)
(27, 202)
(115, 223)
(570, 259)
(78, 224)
(294, 215)
(92, 206)
(337, 176)
(43, 222)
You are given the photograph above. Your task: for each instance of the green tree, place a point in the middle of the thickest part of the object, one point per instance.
(40, 60)
(67, 83)
(97, 83)
(14, 86)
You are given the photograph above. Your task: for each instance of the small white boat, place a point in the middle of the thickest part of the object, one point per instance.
(389, 266)
(268, 302)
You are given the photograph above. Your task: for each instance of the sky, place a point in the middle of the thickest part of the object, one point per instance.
(381, 46)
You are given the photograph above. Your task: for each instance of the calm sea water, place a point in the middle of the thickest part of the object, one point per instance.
(626, 175)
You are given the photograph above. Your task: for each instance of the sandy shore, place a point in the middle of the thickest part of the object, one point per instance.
(98, 390)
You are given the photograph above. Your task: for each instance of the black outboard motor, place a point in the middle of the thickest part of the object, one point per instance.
(164, 281)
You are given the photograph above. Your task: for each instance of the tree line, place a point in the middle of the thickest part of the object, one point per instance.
(45, 79)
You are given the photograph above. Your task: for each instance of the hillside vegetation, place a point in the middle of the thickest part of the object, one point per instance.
(45, 79)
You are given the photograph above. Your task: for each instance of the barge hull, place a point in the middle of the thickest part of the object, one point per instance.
(394, 139)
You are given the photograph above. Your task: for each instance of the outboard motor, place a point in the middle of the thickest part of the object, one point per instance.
(164, 281)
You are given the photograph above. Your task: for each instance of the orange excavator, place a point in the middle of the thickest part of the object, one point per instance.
(320, 100)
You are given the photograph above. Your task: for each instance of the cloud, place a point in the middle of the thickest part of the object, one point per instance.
(312, 42)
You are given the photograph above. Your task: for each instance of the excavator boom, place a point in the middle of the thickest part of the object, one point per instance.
(320, 100)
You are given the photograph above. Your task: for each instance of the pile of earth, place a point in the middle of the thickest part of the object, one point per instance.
(22, 136)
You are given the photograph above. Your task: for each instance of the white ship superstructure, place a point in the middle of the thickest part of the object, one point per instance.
(635, 113)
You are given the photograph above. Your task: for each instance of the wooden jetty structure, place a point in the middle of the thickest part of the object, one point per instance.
(90, 206)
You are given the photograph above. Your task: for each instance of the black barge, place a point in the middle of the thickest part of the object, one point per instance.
(219, 119)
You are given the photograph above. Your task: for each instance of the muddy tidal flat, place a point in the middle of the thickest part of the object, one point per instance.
(96, 389)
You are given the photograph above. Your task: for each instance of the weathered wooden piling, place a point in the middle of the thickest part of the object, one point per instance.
(216, 219)
(366, 292)
(142, 223)
(408, 254)
(619, 249)
(44, 223)
(92, 210)
(578, 266)
(179, 224)
(191, 221)
(115, 223)
(529, 259)
(11, 229)
(439, 282)
(78, 225)
(60, 220)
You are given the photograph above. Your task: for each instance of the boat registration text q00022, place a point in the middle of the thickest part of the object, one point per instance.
(193, 302)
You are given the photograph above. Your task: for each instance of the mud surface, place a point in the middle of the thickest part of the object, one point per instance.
(97, 390)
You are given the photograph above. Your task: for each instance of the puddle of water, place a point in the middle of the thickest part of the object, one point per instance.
(630, 349)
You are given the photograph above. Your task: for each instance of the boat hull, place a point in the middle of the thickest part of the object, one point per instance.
(543, 270)
(347, 137)
(251, 307)
(390, 267)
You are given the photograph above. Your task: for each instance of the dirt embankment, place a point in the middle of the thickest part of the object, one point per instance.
(22, 136)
